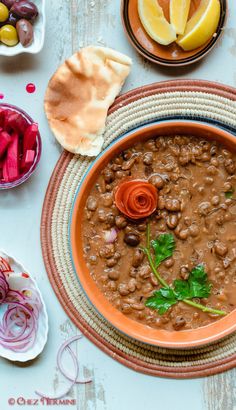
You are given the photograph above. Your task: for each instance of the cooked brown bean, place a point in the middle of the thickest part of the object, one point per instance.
(92, 203)
(215, 200)
(126, 308)
(112, 285)
(220, 248)
(194, 230)
(179, 322)
(169, 262)
(133, 272)
(93, 260)
(107, 199)
(142, 227)
(161, 202)
(123, 289)
(205, 157)
(227, 187)
(120, 221)
(138, 306)
(209, 180)
(150, 144)
(111, 262)
(116, 167)
(157, 181)
(138, 257)
(101, 215)
(173, 204)
(144, 272)
(128, 164)
(184, 272)
(230, 166)
(109, 175)
(132, 285)
(172, 221)
(147, 288)
(148, 158)
(183, 234)
(153, 280)
(132, 239)
(107, 251)
(204, 208)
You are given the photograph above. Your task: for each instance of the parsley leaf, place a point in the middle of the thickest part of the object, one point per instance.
(162, 300)
(229, 194)
(197, 285)
(163, 247)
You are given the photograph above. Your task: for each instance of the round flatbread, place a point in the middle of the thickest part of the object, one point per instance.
(79, 95)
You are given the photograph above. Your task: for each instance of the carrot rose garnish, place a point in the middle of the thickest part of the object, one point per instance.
(136, 198)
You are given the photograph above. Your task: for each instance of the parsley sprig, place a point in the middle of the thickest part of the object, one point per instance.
(197, 285)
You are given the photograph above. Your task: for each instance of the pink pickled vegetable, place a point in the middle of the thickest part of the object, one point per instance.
(15, 122)
(30, 136)
(28, 159)
(18, 145)
(11, 164)
(5, 140)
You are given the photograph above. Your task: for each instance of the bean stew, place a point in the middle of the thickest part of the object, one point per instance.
(159, 234)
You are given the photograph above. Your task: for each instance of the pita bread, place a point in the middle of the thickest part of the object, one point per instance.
(79, 95)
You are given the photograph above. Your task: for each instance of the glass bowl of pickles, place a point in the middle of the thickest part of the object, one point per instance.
(20, 146)
(22, 26)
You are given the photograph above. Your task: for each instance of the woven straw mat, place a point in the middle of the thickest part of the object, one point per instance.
(191, 99)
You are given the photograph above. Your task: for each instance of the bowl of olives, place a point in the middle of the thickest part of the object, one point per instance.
(22, 26)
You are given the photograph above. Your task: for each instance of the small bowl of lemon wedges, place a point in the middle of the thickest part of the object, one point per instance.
(174, 32)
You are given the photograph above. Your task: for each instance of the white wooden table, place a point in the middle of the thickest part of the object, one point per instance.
(72, 24)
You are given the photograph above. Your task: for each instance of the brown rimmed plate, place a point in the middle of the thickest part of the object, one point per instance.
(171, 55)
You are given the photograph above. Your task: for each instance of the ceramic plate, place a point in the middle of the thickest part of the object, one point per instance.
(171, 55)
(17, 281)
(39, 34)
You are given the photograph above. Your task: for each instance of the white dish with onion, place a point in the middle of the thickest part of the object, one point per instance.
(23, 315)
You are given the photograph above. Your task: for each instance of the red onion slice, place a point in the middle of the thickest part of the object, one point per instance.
(110, 236)
(19, 324)
(72, 379)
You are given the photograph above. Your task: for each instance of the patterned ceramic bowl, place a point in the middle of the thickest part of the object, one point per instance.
(39, 35)
(159, 337)
(171, 55)
(19, 279)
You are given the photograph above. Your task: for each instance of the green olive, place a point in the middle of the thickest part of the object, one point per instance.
(8, 35)
(4, 13)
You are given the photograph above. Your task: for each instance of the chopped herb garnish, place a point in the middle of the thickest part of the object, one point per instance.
(229, 194)
(196, 286)
(163, 247)
(162, 300)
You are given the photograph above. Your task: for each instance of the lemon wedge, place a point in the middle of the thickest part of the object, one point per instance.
(202, 25)
(179, 11)
(155, 23)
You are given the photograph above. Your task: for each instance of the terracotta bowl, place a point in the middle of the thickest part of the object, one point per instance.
(181, 339)
(171, 55)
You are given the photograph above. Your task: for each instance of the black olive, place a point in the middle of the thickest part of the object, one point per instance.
(132, 239)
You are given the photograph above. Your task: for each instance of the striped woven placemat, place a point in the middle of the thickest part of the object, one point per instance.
(203, 100)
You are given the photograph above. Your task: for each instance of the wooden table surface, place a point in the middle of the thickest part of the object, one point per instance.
(72, 24)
